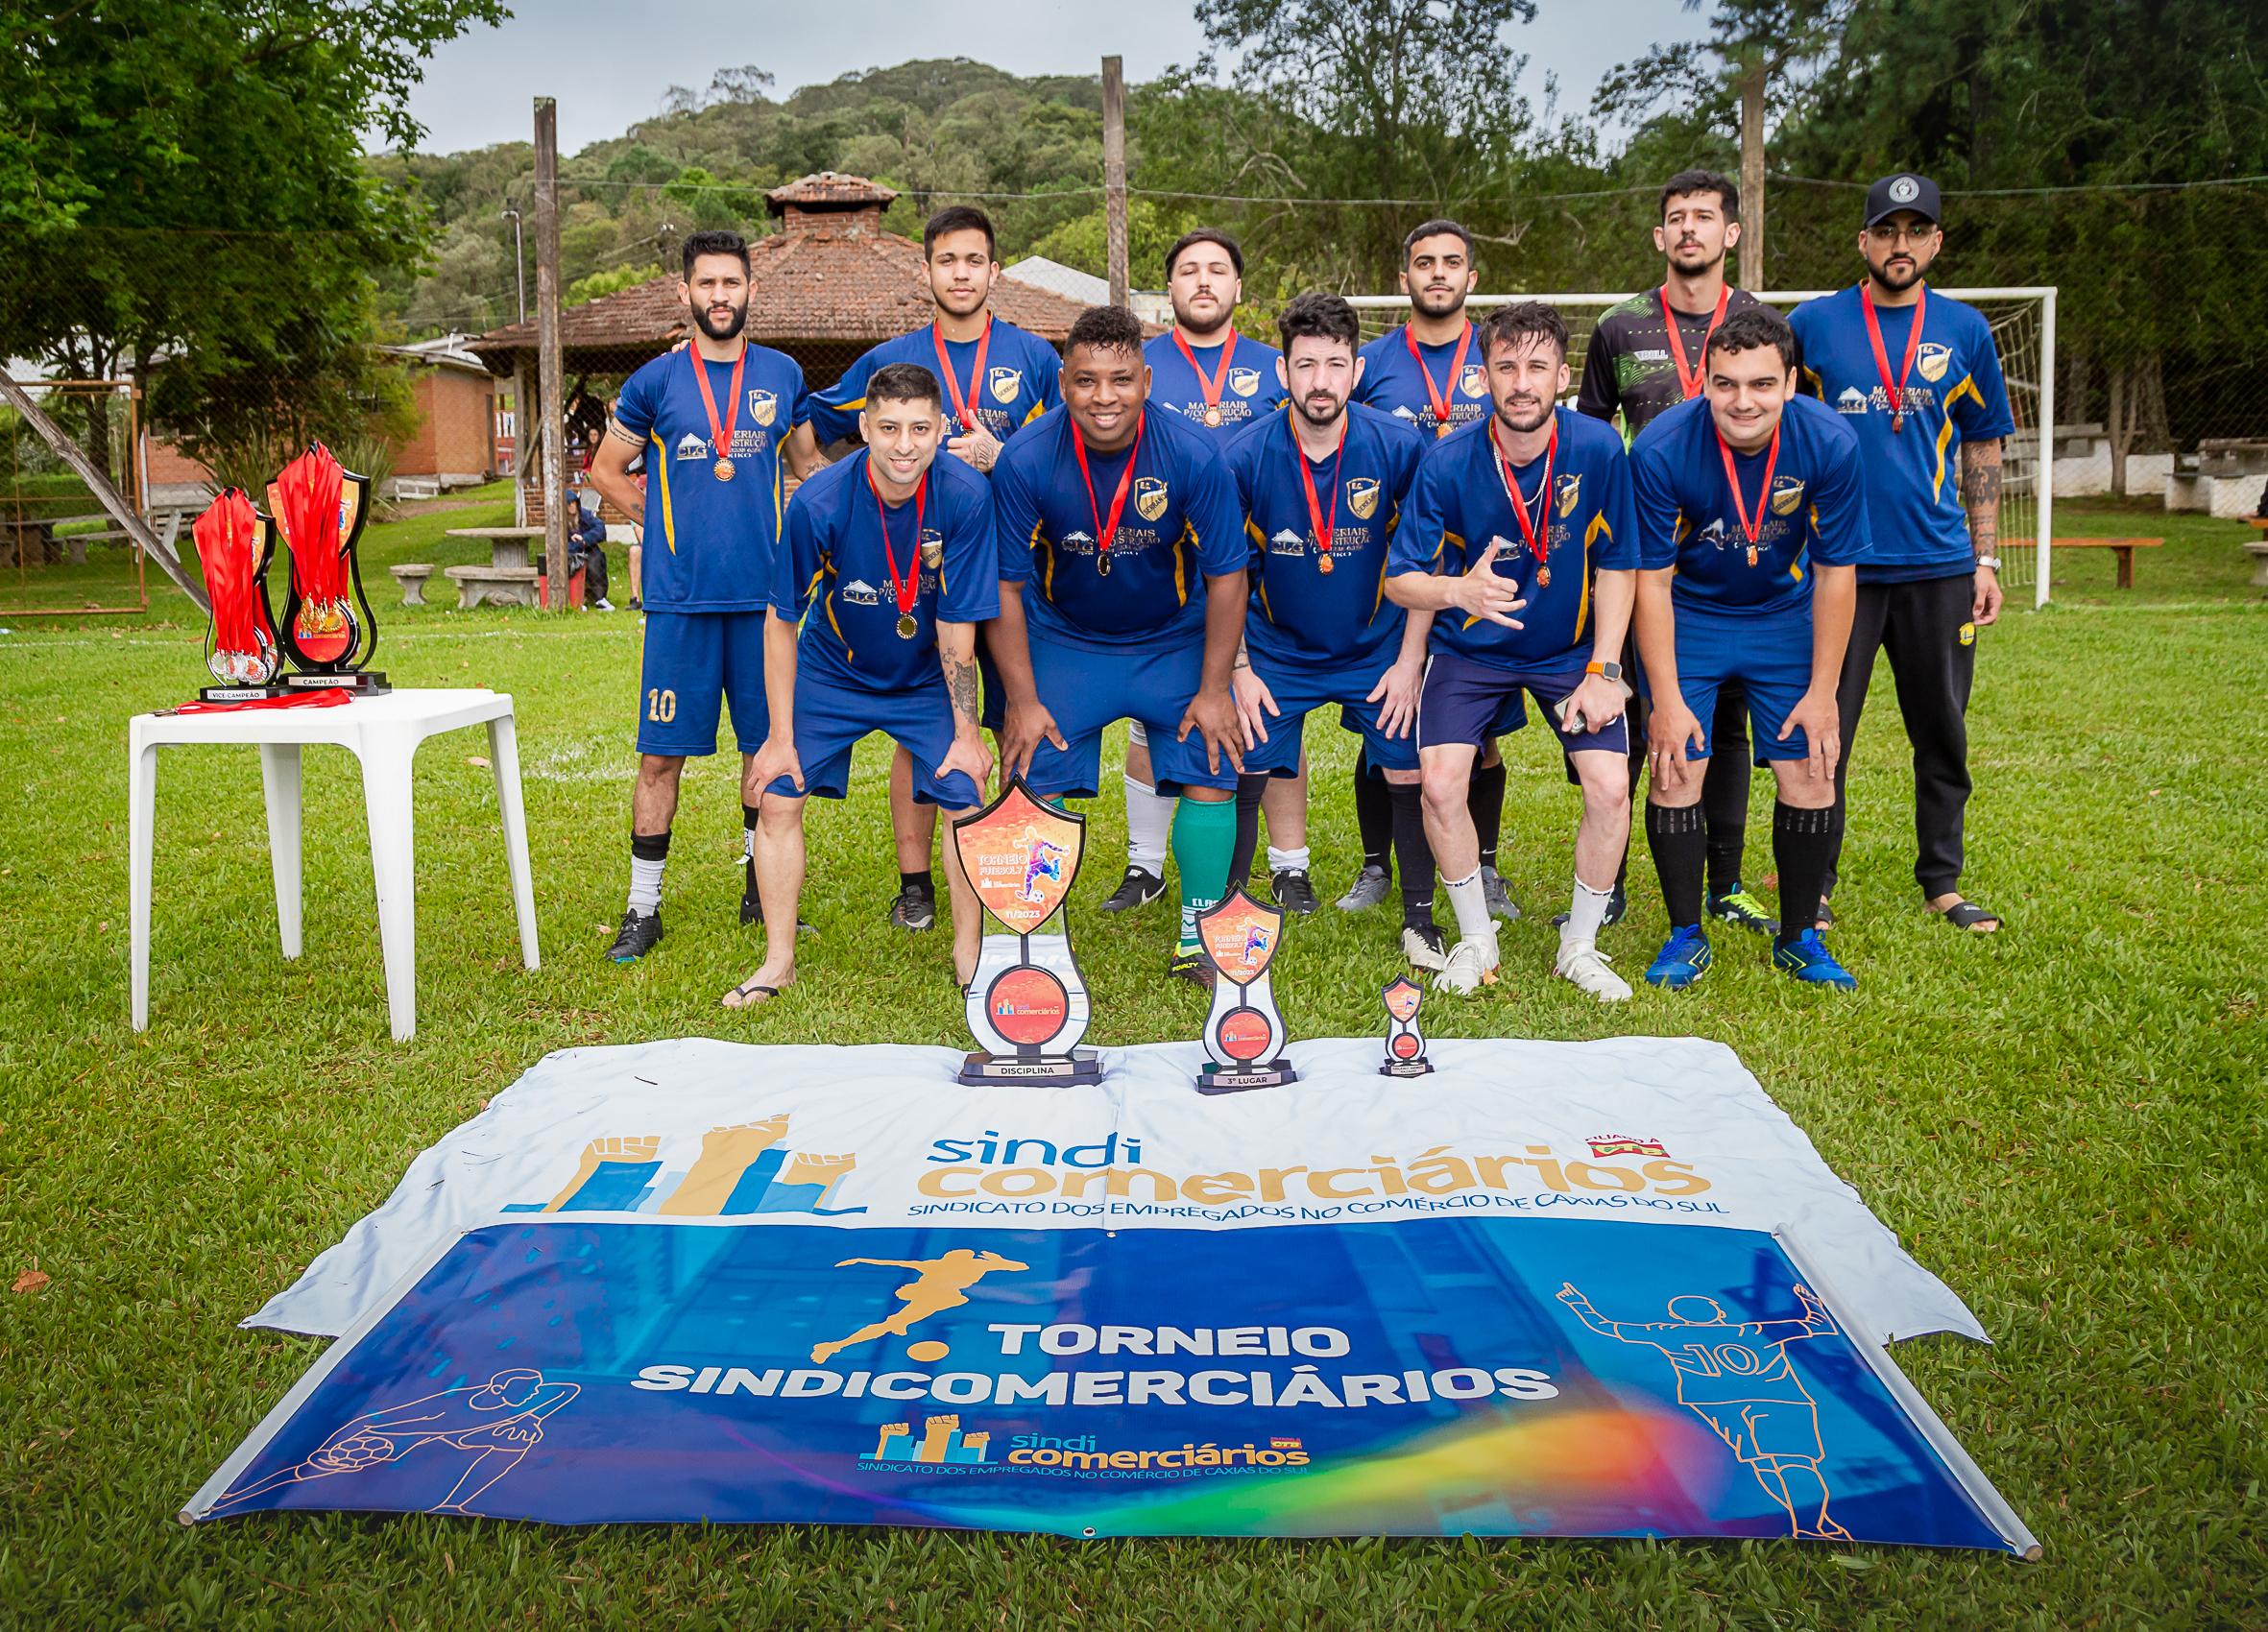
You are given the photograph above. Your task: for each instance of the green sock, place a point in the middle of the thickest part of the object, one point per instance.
(1205, 834)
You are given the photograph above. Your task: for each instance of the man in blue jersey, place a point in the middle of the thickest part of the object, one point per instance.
(998, 378)
(1123, 594)
(1519, 536)
(1751, 517)
(896, 547)
(1917, 376)
(1322, 488)
(1223, 381)
(715, 421)
(1428, 372)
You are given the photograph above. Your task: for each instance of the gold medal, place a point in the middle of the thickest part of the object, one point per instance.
(1324, 562)
(1752, 555)
(907, 628)
(724, 469)
(1543, 578)
(1213, 414)
(1102, 564)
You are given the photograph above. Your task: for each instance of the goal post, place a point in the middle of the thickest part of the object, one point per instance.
(2023, 323)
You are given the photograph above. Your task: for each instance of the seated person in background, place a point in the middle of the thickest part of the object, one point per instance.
(586, 551)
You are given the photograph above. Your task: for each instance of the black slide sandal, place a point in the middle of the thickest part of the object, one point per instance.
(1969, 916)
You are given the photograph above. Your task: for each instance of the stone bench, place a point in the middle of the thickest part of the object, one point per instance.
(2257, 550)
(504, 585)
(2125, 547)
(411, 575)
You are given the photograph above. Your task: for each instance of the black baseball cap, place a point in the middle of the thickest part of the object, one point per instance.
(1903, 191)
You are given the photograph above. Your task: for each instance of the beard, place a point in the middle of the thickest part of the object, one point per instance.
(1334, 407)
(730, 326)
(1188, 320)
(1446, 303)
(1522, 418)
(1906, 275)
(1687, 260)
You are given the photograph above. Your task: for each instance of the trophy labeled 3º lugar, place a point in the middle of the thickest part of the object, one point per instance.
(1243, 1033)
(1405, 1043)
(318, 507)
(1028, 1003)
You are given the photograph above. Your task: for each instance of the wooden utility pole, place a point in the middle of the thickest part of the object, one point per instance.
(1114, 175)
(550, 428)
(1752, 75)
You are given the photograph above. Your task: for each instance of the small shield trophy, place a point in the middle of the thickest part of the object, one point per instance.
(1243, 1033)
(240, 649)
(1028, 1003)
(1405, 1043)
(318, 508)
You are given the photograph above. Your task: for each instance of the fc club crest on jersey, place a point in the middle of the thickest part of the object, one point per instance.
(932, 547)
(1149, 498)
(1473, 382)
(1570, 494)
(1362, 497)
(1005, 383)
(1787, 492)
(1243, 381)
(763, 406)
(1934, 360)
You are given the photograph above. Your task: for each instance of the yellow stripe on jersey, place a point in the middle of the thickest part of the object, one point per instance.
(1037, 409)
(1047, 572)
(1591, 534)
(1968, 383)
(661, 475)
(1188, 536)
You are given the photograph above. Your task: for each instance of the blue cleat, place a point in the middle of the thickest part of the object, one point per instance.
(1682, 960)
(1806, 957)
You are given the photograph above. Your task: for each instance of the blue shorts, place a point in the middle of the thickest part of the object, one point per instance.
(832, 718)
(1768, 657)
(1300, 689)
(1463, 698)
(694, 662)
(1087, 688)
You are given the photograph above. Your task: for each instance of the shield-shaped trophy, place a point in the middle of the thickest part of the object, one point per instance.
(1028, 1004)
(318, 507)
(1243, 1033)
(1405, 1043)
(240, 648)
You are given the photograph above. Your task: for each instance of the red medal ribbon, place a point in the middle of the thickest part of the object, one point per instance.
(1210, 388)
(1314, 507)
(1105, 531)
(1689, 381)
(1898, 387)
(720, 433)
(1441, 405)
(1539, 538)
(1751, 529)
(964, 407)
(906, 590)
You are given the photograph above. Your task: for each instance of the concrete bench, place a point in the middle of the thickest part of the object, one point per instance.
(411, 575)
(505, 585)
(2257, 550)
(416, 487)
(2125, 547)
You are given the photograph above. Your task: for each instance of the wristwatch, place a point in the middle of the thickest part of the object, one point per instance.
(1991, 560)
(1605, 671)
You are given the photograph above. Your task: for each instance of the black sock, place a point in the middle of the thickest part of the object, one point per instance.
(924, 882)
(1803, 843)
(1483, 798)
(748, 856)
(1416, 855)
(650, 847)
(1251, 785)
(1727, 845)
(1374, 813)
(1679, 848)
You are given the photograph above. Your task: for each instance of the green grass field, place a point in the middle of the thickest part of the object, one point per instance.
(2065, 1121)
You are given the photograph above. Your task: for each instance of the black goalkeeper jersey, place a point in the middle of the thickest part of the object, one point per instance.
(1628, 367)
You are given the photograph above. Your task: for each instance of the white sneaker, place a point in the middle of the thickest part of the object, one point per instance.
(1499, 898)
(605, 605)
(1585, 965)
(1471, 964)
(1423, 948)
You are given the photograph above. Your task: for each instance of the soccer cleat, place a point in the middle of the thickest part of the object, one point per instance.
(1500, 899)
(752, 910)
(1292, 892)
(1471, 964)
(1422, 945)
(1617, 904)
(636, 935)
(1138, 888)
(1806, 957)
(1585, 965)
(1372, 886)
(1192, 967)
(1683, 959)
(1742, 911)
(913, 909)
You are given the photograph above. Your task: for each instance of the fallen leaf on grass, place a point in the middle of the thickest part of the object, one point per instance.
(477, 761)
(30, 1281)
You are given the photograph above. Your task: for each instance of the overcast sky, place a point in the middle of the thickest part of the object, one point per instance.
(611, 64)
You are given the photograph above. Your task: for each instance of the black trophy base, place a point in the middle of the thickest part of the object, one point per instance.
(1417, 1068)
(1239, 1079)
(240, 693)
(363, 683)
(1047, 1070)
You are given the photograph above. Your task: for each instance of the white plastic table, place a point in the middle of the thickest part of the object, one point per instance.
(383, 732)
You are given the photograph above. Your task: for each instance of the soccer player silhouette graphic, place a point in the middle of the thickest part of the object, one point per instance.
(937, 1285)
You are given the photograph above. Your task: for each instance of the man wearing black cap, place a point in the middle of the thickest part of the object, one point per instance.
(1917, 377)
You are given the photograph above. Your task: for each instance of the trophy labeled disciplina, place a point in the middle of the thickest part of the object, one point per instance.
(318, 508)
(1028, 1003)
(240, 649)
(1243, 1033)
(1405, 1043)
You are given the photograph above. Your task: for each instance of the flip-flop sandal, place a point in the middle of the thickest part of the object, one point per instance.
(750, 995)
(1968, 916)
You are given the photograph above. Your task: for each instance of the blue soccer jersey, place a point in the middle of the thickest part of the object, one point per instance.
(1310, 607)
(1179, 526)
(1814, 514)
(836, 555)
(1250, 388)
(1954, 392)
(1395, 381)
(1017, 385)
(1585, 524)
(716, 539)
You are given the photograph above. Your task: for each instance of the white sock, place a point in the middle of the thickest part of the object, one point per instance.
(1586, 913)
(1150, 822)
(645, 885)
(1471, 901)
(1282, 860)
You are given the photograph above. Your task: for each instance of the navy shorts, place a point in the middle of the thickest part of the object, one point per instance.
(1300, 689)
(1769, 656)
(1088, 688)
(1463, 699)
(693, 663)
(831, 719)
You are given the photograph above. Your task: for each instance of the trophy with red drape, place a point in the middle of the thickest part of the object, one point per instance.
(330, 632)
(240, 647)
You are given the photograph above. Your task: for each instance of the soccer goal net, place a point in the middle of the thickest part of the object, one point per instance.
(2023, 323)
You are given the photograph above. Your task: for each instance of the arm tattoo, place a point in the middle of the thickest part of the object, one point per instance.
(1980, 492)
(615, 429)
(960, 685)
